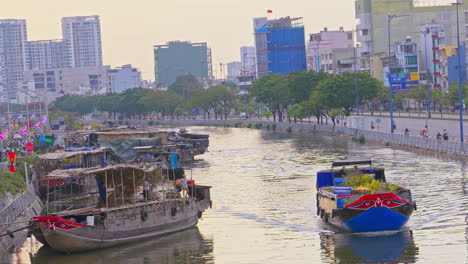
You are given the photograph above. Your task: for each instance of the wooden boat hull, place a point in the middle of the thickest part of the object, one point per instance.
(370, 213)
(122, 226)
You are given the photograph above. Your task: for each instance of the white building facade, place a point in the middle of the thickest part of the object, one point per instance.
(123, 78)
(79, 80)
(46, 54)
(13, 38)
(324, 41)
(248, 57)
(234, 69)
(82, 36)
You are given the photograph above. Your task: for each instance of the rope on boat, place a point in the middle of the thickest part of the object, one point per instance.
(10, 233)
(12, 223)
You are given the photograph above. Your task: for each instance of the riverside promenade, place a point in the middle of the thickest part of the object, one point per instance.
(416, 124)
(412, 141)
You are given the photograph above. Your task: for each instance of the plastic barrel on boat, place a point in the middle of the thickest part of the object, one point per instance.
(342, 190)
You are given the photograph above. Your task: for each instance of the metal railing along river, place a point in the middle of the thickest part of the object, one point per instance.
(437, 145)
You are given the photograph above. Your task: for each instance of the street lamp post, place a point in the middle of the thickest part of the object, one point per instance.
(389, 20)
(460, 93)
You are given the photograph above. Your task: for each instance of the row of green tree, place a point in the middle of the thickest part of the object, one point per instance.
(182, 97)
(298, 95)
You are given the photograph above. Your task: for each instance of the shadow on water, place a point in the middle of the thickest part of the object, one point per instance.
(357, 248)
(187, 246)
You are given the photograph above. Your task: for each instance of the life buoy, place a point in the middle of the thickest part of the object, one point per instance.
(144, 214)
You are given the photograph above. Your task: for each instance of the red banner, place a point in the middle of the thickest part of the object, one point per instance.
(30, 147)
(11, 158)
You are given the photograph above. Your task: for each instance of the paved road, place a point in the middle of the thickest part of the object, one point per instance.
(416, 125)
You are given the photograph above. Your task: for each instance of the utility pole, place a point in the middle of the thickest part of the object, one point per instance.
(389, 20)
(460, 78)
(356, 82)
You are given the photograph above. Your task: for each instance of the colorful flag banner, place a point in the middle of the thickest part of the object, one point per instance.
(4, 135)
(11, 159)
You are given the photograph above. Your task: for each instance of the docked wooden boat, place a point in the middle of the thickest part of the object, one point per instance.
(358, 199)
(125, 212)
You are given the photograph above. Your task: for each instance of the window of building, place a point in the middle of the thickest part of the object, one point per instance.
(411, 60)
(365, 31)
(350, 35)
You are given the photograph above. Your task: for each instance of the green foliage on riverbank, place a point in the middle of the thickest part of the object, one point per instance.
(10, 182)
(361, 139)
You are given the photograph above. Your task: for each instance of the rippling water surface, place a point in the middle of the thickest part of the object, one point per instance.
(264, 207)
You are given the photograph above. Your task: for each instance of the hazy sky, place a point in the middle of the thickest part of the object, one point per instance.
(130, 28)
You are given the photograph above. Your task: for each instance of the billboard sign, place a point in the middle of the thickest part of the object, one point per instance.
(403, 80)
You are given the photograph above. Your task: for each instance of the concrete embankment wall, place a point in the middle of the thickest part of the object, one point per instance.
(441, 146)
(19, 212)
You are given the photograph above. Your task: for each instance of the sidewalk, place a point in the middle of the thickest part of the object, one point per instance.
(416, 125)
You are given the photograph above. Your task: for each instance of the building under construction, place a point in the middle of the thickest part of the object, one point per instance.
(280, 45)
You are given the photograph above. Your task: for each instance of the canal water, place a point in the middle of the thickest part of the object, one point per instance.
(264, 207)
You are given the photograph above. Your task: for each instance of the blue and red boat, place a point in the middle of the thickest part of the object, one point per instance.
(361, 209)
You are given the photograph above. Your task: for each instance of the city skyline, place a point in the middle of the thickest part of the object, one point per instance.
(130, 31)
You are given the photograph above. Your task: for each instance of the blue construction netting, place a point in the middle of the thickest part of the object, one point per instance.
(286, 50)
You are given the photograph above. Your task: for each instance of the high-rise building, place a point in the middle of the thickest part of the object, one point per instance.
(280, 45)
(181, 57)
(13, 38)
(123, 78)
(46, 54)
(248, 57)
(234, 70)
(82, 37)
(326, 40)
(373, 22)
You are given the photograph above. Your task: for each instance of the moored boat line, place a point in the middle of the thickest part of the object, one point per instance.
(122, 187)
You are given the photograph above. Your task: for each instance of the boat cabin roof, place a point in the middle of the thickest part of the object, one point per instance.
(68, 154)
(339, 163)
(137, 170)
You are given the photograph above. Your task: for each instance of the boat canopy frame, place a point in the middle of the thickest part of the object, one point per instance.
(340, 163)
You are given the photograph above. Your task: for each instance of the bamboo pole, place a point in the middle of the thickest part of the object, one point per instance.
(115, 189)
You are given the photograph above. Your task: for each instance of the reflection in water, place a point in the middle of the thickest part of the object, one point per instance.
(264, 206)
(187, 246)
(358, 248)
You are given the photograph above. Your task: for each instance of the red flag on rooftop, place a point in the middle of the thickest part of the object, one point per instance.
(269, 11)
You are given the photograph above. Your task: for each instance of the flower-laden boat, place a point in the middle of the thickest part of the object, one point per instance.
(359, 199)
(135, 203)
